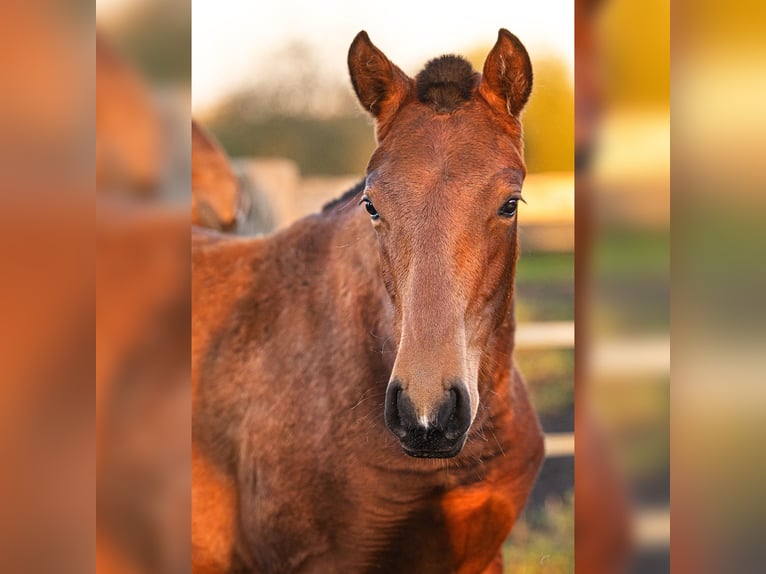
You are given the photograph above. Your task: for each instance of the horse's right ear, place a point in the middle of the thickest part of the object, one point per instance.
(380, 86)
(507, 79)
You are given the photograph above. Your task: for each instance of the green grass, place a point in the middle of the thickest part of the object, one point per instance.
(543, 542)
(550, 377)
(631, 254)
(637, 415)
(631, 282)
(545, 267)
(545, 287)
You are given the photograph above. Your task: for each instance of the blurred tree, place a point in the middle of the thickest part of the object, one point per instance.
(296, 112)
(549, 115)
(636, 66)
(340, 144)
(299, 113)
(156, 36)
(299, 84)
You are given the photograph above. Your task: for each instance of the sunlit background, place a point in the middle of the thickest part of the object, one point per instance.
(270, 83)
(623, 186)
(143, 389)
(238, 44)
(47, 289)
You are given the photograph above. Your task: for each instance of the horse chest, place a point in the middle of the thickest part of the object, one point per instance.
(479, 518)
(402, 529)
(458, 531)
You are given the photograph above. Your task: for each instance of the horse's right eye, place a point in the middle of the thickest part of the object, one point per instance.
(370, 208)
(509, 208)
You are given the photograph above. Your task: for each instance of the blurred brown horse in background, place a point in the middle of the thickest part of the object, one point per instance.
(356, 407)
(130, 142)
(215, 189)
(224, 198)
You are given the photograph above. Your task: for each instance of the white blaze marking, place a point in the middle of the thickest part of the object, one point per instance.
(423, 420)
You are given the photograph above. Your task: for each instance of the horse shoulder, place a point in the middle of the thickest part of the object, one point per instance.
(213, 516)
(479, 516)
(224, 270)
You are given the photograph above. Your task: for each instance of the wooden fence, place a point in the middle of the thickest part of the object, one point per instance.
(642, 356)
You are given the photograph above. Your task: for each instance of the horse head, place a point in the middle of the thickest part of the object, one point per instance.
(442, 192)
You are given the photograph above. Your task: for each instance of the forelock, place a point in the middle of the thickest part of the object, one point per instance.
(446, 83)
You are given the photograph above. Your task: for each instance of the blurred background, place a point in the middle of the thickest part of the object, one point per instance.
(269, 89)
(719, 278)
(46, 292)
(48, 156)
(280, 107)
(623, 278)
(142, 272)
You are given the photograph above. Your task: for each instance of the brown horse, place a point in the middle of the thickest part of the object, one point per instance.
(129, 135)
(215, 189)
(356, 406)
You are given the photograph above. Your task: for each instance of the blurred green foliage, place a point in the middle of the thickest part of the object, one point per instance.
(337, 145)
(631, 281)
(299, 113)
(636, 412)
(157, 37)
(631, 254)
(542, 542)
(545, 287)
(540, 266)
(550, 379)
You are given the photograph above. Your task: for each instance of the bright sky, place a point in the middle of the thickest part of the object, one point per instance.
(232, 39)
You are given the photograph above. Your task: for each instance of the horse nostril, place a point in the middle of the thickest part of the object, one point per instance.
(452, 419)
(455, 412)
(447, 409)
(394, 409)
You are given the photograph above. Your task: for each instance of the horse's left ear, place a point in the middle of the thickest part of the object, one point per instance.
(380, 86)
(507, 79)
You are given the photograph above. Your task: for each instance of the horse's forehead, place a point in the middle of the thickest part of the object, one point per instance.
(464, 144)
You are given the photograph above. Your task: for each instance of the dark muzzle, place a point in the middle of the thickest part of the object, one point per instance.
(444, 432)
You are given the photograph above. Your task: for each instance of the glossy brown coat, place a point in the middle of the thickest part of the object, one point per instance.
(297, 336)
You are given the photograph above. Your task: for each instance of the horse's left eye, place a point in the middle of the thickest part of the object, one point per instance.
(370, 208)
(509, 208)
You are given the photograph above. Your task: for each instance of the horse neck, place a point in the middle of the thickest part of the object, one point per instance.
(497, 361)
(353, 271)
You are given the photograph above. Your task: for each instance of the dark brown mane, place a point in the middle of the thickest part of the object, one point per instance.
(446, 82)
(353, 192)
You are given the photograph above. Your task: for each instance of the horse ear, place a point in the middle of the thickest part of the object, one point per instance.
(507, 79)
(380, 86)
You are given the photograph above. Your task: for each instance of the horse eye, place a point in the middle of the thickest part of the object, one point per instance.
(370, 208)
(509, 208)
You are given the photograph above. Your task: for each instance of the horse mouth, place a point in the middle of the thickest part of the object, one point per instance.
(446, 451)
